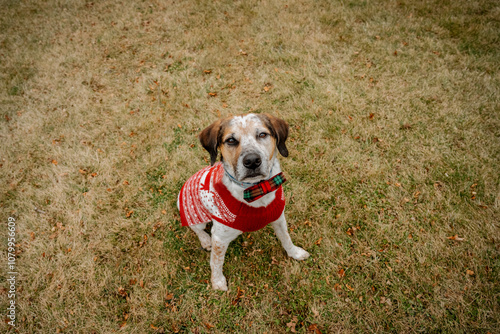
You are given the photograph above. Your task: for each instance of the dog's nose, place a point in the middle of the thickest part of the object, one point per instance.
(252, 161)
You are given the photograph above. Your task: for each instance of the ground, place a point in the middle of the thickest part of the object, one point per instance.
(393, 172)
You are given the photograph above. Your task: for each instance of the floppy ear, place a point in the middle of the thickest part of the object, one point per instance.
(279, 129)
(209, 139)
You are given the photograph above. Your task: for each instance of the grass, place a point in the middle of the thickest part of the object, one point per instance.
(394, 148)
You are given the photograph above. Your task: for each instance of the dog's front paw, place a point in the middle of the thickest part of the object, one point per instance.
(219, 283)
(298, 253)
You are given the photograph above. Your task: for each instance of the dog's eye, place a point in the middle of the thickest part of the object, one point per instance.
(232, 141)
(263, 135)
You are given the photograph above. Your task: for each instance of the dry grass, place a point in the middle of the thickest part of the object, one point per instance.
(394, 111)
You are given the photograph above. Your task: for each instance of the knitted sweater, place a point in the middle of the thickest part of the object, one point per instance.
(204, 197)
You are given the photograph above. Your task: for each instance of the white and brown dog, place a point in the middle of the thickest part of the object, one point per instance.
(243, 192)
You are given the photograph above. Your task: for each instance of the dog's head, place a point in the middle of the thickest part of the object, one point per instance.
(247, 143)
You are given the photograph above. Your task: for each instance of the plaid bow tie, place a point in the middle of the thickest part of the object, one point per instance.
(262, 188)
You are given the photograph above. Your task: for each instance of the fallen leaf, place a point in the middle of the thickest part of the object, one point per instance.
(54, 162)
(318, 242)
(122, 292)
(349, 287)
(239, 294)
(456, 238)
(292, 324)
(314, 328)
(470, 272)
(169, 296)
(341, 273)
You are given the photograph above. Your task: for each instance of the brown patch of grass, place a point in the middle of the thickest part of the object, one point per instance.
(393, 108)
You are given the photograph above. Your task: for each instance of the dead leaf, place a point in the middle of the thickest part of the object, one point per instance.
(456, 238)
(122, 292)
(239, 294)
(54, 162)
(211, 94)
(314, 328)
(292, 324)
(341, 273)
(337, 287)
(349, 287)
(371, 116)
(469, 272)
(169, 296)
(318, 242)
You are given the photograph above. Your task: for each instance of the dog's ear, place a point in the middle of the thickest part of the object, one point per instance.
(209, 139)
(279, 129)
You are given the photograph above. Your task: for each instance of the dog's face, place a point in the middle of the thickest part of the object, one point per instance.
(247, 144)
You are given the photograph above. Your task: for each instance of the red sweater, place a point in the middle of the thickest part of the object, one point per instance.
(204, 197)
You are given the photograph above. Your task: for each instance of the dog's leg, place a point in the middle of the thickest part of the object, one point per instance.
(205, 240)
(221, 237)
(281, 230)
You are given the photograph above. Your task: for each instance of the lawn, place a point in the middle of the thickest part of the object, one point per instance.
(393, 173)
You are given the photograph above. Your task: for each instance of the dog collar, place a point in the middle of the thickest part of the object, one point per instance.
(240, 183)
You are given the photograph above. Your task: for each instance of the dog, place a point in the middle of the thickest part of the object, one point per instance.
(242, 192)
